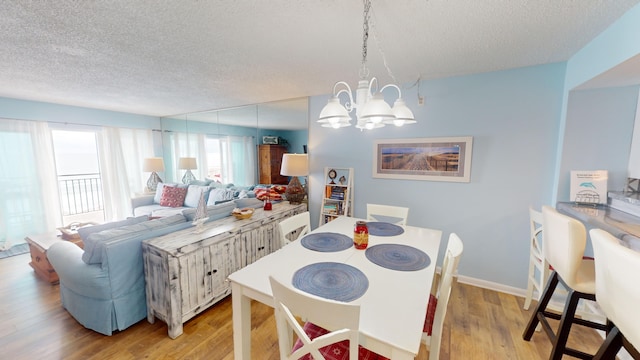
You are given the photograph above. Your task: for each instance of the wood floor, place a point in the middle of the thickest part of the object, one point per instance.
(481, 324)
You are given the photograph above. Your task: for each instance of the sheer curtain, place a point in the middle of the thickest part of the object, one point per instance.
(28, 182)
(186, 145)
(238, 160)
(121, 153)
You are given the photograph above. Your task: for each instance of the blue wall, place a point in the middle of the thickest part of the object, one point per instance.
(33, 110)
(512, 117)
(530, 128)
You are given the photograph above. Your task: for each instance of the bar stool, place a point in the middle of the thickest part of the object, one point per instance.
(618, 293)
(565, 239)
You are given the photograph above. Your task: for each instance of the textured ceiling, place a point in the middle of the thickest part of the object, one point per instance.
(165, 57)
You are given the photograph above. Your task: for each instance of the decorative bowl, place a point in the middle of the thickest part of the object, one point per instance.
(242, 214)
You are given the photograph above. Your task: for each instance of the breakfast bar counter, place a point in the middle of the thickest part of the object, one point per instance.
(623, 225)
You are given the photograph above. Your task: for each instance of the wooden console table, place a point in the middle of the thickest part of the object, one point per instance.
(38, 246)
(187, 272)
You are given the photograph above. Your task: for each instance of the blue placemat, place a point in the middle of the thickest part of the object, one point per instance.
(379, 228)
(327, 242)
(330, 280)
(398, 257)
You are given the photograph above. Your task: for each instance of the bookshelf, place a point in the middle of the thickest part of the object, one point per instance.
(337, 199)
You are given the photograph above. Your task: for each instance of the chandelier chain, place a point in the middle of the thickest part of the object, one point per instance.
(384, 58)
(364, 73)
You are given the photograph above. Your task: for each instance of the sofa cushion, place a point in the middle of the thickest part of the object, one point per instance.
(173, 196)
(205, 182)
(164, 211)
(214, 212)
(217, 195)
(84, 232)
(249, 203)
(94, 244)
(147, 209)
(193, 195)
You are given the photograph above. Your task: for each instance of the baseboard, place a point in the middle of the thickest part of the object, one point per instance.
(490, 285)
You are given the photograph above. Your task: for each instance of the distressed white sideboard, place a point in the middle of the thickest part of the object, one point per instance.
(186, 272)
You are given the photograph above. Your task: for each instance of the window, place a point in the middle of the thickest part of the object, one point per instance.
(79, 180)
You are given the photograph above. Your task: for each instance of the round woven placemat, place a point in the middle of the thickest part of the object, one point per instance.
(398, 257)
(330, 280)
(379, 228)
(327, 242)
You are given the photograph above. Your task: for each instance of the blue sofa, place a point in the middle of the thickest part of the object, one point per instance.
(215, 194)
(103, 286)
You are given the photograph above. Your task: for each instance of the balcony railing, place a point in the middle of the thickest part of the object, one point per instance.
(80, 193)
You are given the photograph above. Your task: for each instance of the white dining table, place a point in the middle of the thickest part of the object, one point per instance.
(392, 310)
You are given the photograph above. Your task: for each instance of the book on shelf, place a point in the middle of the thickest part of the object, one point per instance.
(338, 193)
(328, 218)
(330, 208)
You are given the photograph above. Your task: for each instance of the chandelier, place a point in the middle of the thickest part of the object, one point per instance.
(371, 109)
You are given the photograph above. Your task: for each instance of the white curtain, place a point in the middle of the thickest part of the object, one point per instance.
(28, 182)
(121, 153)
(238, 160)
(186, 145)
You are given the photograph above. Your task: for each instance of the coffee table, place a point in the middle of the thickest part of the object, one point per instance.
(38, 246)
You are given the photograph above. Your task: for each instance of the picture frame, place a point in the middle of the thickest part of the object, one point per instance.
(270, 140)
(431, 159)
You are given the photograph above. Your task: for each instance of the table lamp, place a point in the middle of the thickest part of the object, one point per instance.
(153, 165)
(295, 165)
(187, 163)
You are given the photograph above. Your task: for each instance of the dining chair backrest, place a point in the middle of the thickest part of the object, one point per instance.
(300, 224)
(447, 277)
(536, 258)
(393, 214)
(341, 319)
(617, 290)
(565, 239)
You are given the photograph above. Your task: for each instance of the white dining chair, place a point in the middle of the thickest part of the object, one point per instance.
(438, 302)
(538, 265)
(393, 214)
(617, 293)
(564, 242)
(331, 328)
(294, 227)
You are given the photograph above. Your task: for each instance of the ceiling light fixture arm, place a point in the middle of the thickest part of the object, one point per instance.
(350, 104)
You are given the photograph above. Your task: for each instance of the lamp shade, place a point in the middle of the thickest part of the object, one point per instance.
(295, 165)
(334, 114)
(187, 163)
(153, 164)
(376, 110)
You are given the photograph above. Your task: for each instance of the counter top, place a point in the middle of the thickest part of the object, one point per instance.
(624, 226)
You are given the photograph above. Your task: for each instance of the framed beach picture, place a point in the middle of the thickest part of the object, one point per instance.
(433, 159)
